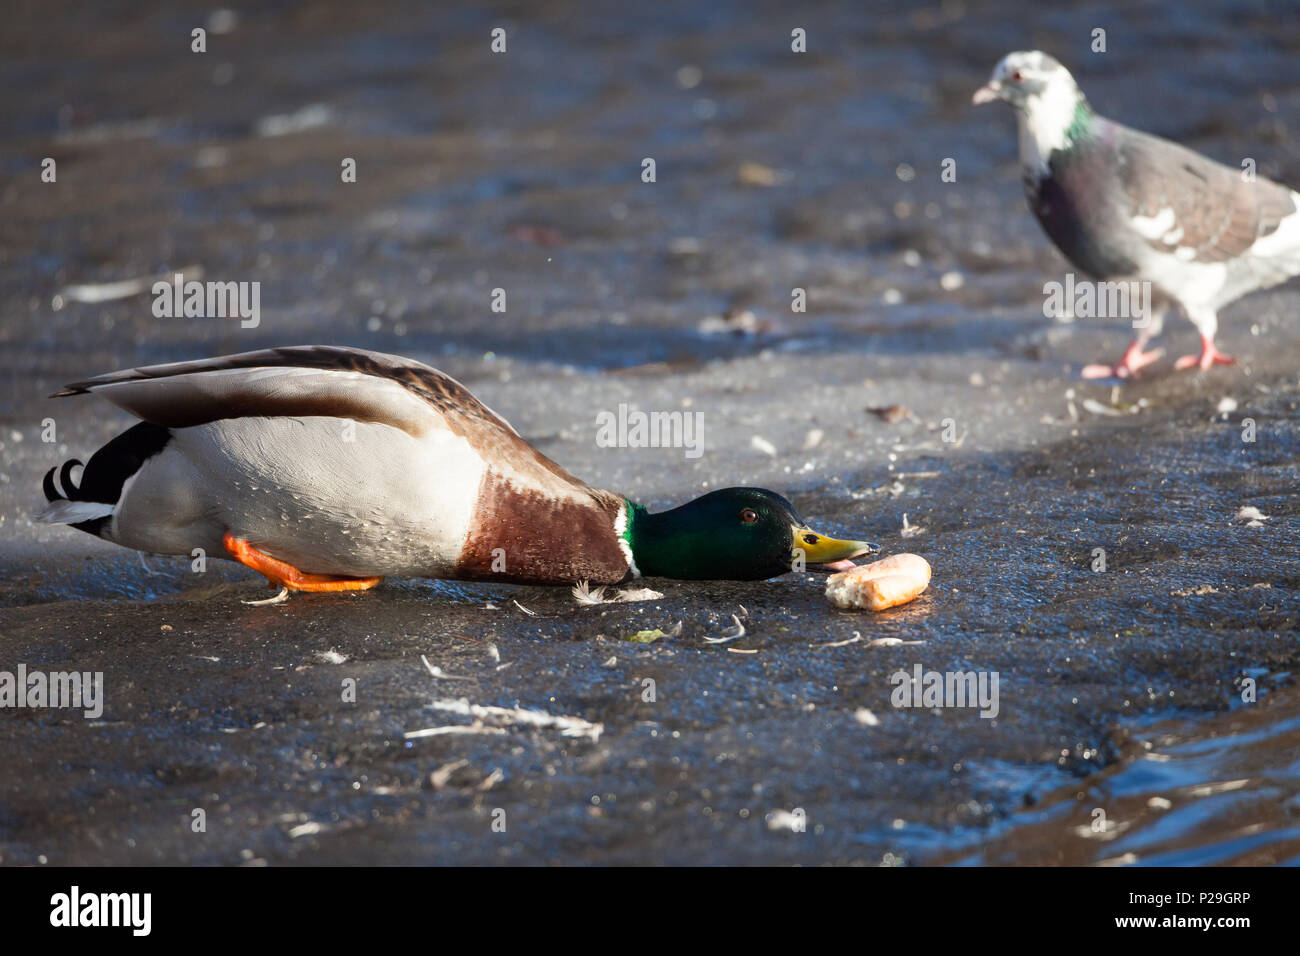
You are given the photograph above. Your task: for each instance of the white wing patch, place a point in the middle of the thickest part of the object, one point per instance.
(1160, 226)
(1163, 227)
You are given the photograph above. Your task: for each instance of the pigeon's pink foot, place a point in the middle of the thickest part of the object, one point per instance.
(1209, 356)
(1133, 361)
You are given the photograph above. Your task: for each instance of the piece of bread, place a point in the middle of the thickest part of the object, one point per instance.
(889, 582)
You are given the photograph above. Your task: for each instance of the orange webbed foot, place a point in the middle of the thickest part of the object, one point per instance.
(284, 575)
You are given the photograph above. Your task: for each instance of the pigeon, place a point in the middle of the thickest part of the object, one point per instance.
(1125, 206)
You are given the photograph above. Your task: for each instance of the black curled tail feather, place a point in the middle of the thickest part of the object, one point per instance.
(65, 478)
(108, 470)
(68, 503)
(51, 492)
(65, 490)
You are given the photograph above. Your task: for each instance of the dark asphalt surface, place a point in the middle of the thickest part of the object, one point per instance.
(522, 171)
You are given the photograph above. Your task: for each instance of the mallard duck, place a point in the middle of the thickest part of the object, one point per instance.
(329, 468)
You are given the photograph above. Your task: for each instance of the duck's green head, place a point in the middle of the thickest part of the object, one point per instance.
(735, 534)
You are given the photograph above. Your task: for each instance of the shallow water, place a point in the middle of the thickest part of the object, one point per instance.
(478, 172)
(1184, 791)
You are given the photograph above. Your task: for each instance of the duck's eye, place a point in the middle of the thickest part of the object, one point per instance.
(749, 516)
(1017, 76)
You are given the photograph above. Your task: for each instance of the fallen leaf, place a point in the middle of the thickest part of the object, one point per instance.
(756, 174)
(891, 414)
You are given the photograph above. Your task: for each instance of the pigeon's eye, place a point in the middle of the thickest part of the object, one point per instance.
(749, 516)
(1017, 76)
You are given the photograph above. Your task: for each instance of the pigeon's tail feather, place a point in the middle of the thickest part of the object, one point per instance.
(1275, 257)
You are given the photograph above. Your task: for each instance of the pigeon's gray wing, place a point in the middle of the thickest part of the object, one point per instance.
(1186, 204)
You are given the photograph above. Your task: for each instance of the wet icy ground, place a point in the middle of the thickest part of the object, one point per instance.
(522, 172)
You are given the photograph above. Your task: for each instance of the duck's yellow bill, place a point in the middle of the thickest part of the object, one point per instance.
(819, 549)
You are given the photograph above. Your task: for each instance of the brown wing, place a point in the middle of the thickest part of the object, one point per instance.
(1219, 213)
(307, 380)
(292, 380)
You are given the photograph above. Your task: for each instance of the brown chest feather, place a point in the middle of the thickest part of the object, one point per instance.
(522, 537)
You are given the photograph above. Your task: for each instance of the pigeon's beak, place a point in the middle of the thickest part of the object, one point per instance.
(987, 93)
